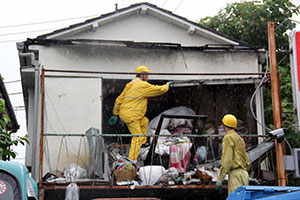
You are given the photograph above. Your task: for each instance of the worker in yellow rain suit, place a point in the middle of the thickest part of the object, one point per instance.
(234, 157)
(131, 106)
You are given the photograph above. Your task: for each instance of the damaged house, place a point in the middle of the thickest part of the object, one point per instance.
(72, 76)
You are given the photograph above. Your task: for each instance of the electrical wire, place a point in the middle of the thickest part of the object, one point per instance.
(164, 3)
(17, 33)
(7, 41)
(178, 5)
(290, 147)
(254, 94)
(47, 22)
(12, 81)
(16, 93)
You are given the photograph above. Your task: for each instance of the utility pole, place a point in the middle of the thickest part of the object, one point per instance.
(276, 103)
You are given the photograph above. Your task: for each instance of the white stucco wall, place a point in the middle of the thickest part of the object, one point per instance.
(143, 28)
(72, 106)
(114, 59)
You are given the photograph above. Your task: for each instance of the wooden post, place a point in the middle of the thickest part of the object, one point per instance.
(276, 103)
(41, 192)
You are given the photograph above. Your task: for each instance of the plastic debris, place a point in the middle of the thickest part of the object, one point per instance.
(74, 171)
(72, 192)
(150, 175)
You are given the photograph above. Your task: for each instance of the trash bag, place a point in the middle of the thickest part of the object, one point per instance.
(201, 154)
(161, 147)
(72, 192)
(150, 175)
(170, 175)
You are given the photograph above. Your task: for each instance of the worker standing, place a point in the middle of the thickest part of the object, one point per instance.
(131, 107)
(235, 161)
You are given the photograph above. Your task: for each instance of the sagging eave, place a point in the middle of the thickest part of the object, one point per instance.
(143, 45)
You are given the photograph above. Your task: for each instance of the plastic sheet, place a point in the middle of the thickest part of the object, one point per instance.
(97, 155)
(181, 110)
(74, 171)
(72, 192)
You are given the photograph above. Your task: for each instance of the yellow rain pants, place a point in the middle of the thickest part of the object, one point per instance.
(137, 128)
(235, 161)
(237, 178)
(131, 106)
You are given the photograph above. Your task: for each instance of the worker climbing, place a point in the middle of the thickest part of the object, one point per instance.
(235, 161)
(131, 107)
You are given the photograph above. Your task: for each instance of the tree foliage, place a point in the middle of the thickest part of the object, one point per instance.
(248, 21)
(6, 140)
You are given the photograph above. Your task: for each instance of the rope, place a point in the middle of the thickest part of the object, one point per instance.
(47, 155)
(212, 149)
(77, 160)
(60, 147)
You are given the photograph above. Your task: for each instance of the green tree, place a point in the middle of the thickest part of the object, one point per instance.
(6, 141)
(247, 21)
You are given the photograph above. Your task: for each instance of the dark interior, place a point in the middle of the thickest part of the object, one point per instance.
(211, 100)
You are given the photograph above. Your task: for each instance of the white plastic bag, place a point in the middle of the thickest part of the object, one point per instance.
(72, 192)
(150, 175)
(74, 171)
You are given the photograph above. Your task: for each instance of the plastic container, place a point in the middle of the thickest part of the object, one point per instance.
(265, 193)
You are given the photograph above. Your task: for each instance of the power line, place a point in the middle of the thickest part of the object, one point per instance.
(178, 5)
(16, 33)
(164, 3)
(6, 41)
(12, 81)
(16, 93)
(19, 107)
(46, 22)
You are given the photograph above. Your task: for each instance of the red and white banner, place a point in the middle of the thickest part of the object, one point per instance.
(295, 72)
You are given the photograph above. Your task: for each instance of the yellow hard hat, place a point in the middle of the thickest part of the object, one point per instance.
(229, 120)
(141, 69)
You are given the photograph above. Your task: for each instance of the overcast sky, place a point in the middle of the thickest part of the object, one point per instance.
(46, 16)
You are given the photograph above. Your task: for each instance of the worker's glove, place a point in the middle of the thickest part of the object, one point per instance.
(219, 184)
(169, 83)
(113, 120)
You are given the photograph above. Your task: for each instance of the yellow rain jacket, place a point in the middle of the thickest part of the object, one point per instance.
(234, 161)
(131, 106)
